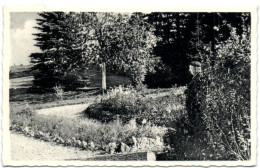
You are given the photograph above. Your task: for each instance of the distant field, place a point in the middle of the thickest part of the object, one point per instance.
(20, 71)
(22, 77)
(22, 82)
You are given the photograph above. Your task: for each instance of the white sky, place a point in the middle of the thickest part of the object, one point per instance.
(22, 39)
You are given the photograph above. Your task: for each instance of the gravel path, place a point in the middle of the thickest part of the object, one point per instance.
(25, 148)
(64, 111)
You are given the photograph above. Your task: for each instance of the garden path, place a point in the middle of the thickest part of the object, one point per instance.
(26, 148)
(70, 111)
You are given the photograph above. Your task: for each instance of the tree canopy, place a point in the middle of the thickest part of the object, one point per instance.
(186, 37)
(74, 41)
(156, 47)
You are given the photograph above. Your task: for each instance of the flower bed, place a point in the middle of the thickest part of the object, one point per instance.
(127, 103)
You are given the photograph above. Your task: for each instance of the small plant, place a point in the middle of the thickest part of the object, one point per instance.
(58, 92)
(141, 87)
(26, 111)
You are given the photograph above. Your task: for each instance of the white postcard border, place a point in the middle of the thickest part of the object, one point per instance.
(6, 159)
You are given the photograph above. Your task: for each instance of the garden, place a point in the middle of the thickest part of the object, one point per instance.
(136, 87)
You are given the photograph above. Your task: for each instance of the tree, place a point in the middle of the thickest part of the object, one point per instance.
(72, 41)
(186, 37)
(175, 31)
(213, 28)
(118, 41)
(60, 58)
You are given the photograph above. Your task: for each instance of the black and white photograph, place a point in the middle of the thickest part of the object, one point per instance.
(164, 87)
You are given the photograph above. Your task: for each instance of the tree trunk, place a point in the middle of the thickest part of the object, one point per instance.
(104, 83)
(213, 36)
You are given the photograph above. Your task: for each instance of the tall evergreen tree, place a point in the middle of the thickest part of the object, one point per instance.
(60, 58)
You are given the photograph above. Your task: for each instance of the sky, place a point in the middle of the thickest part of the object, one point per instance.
(22, 39)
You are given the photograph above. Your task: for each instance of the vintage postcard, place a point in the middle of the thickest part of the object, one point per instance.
(125, 86)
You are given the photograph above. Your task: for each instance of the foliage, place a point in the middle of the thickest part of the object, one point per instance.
(59, 58)
(228, 104)
(164, 77)
(218, 120)
(186, 37)
(127, 103)
(212, 29)
(73, 41)
(121, 41)
(74, 80)
(58, 92)
(175, 31)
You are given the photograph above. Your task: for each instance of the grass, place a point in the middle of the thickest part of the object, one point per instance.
(93, 73)
(20, 71)
(32, 97)
(87, 130)
(24, 102)
(112, 79)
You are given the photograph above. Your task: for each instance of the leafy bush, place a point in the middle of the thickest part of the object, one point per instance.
(227, 105)
(73, 80)
(217, 126)
(58, 92)
(128, 103)
(69, 81)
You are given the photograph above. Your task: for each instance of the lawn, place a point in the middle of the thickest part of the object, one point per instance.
(71, 97)
(20, 71)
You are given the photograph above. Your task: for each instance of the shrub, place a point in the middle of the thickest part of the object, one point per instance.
(218, 124)
(45, 81)
(58, 90)
(228, 101)
(128, 103)
(73, 80)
